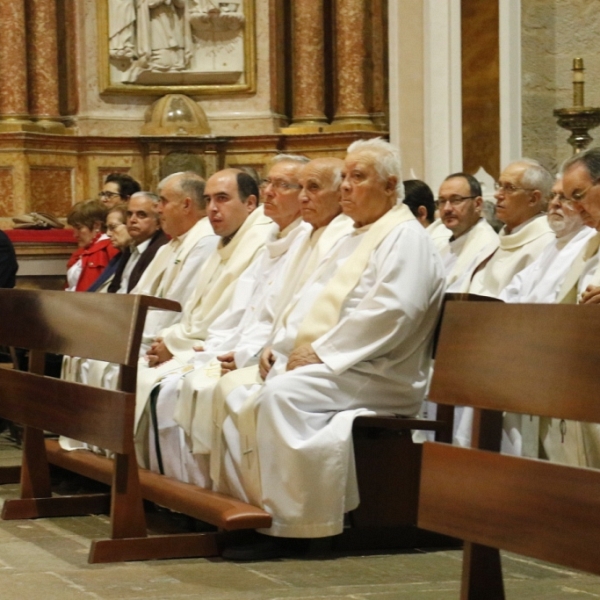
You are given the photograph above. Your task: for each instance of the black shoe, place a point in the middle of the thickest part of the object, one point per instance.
(267, 548)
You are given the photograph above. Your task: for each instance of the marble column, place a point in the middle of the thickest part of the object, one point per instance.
(42, 48)
(308, 64)
(13, 67)
(351, 110)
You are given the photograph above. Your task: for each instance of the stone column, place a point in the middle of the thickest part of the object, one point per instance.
(308, 64)
(351, 110)
(42, 47)
(13, 67)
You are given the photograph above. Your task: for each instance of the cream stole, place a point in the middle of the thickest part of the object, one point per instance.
(192, 414)
(325, 312)
(212, 295)
(209, 301)
(568, 289)
(169, 260)
(306, 259)
(482, 240)
(321, 317)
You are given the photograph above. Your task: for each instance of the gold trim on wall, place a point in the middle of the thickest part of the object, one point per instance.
(109, 87)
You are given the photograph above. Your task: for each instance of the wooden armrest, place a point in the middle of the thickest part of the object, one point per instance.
(398, 423)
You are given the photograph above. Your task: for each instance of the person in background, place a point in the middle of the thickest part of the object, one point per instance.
(419, 198)
(8, 262)
(95, 248)
(116, 230)
(118, 188)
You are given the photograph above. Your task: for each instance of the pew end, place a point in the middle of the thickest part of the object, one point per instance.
(527, 359)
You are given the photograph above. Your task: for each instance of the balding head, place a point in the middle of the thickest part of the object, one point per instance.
(181, 203)
(320, 194)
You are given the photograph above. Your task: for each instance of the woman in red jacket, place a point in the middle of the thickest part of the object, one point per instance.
(95, 249)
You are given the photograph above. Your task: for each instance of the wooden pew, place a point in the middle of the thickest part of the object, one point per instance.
(529, 359)
(104, 327)
(388, 466)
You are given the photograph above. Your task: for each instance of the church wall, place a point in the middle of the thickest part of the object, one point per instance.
(553, 33)
(122, 115)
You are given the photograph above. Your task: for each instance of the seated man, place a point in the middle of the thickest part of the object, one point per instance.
(563, 441)
(356, 339)
(542, 280)
(237, 334)
(143, 226)
(473, 239)
(522, 192)
(232, 198)
(172, 273)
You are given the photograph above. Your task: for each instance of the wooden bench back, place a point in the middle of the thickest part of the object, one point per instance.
(531, 359)
(100, 326)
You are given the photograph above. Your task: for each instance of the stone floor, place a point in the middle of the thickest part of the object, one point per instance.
(47, 559)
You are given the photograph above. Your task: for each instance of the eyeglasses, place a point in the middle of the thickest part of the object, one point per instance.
(509, 188)
(113, 227)
(279, 184)
(453, 200)
(579, 196)
(558, 196)
(109, 195)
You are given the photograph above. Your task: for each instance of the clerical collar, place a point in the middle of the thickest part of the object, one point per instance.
(464, 233)
(226, 240)
(522, 225)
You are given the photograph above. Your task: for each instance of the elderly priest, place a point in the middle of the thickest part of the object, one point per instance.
(356, 339)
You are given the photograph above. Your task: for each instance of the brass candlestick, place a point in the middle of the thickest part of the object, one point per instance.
(579, 119)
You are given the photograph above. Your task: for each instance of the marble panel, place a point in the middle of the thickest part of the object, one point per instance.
(52, 189)
(480, 87)
(13, 58)
(42, 50)
(350, 58)
(308, 61)
(6, 192)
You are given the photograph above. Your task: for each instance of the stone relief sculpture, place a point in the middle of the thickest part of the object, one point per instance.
(176, 42)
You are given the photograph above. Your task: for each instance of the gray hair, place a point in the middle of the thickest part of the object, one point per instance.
(388, 163)
(152, 197)
(590, 159)
(188, 183)
(297, 158)
(536, 177)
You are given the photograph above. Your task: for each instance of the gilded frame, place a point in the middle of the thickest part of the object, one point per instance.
(117, 88)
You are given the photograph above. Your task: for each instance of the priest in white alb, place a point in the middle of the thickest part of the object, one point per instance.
(572, 442)
(473, 240)
(356, 339)
(275, 279)
(232, 198)
(172, 273)
(233, 338)
(542, 280)
(522, 192)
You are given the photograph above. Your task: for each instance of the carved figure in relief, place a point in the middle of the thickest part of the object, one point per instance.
(121, 30)
(164, 35)
(186, 37)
